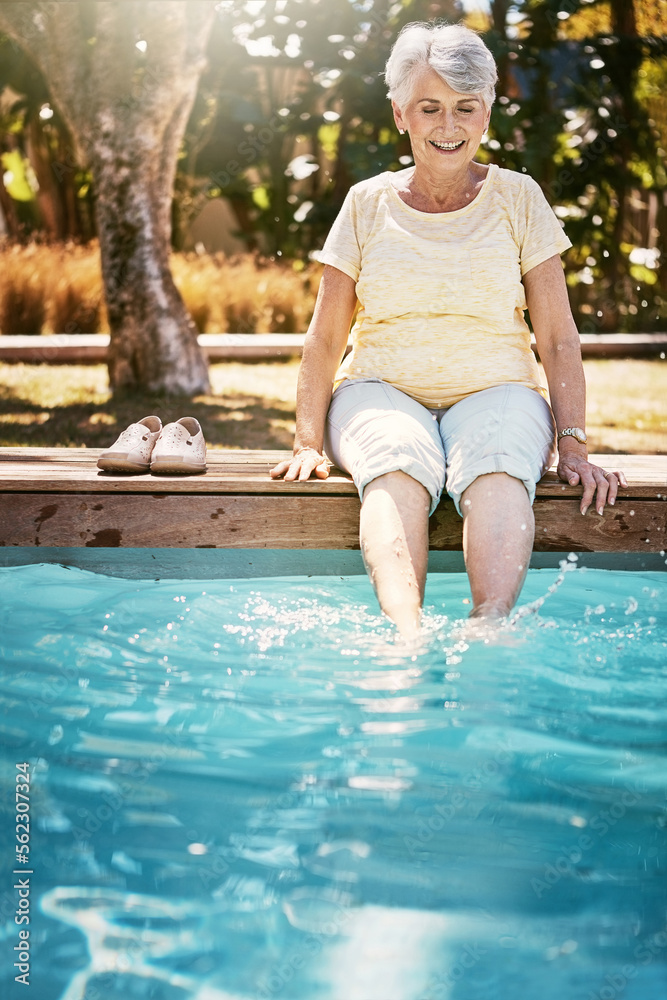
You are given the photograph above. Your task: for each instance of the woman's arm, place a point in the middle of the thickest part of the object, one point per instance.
(323, 349)
(560, 353)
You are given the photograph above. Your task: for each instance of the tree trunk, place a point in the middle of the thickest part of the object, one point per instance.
(623, 72)
(79, 223)
(8, 209)
(127, 109)
(153, 338)
(499, 10)
(48, 199)
(141, 117)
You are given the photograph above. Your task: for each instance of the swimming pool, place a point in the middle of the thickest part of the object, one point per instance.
(247, 788)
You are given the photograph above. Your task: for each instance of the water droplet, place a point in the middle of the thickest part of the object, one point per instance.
(507, 942)
(56, 735)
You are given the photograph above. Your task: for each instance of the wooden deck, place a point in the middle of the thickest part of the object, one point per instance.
(93, 348)
(57, 497)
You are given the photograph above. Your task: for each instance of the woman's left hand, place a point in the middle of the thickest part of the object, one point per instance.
(598, 484)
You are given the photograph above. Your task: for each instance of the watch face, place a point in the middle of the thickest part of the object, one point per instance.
(575, 432)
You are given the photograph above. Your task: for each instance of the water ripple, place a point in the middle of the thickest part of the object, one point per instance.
(254, 789)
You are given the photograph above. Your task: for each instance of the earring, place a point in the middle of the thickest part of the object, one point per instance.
(401, 131)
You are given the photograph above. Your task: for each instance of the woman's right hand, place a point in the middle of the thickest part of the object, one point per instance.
(302, 465)
(323, 350)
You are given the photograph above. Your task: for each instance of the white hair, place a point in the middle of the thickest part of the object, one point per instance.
(456, 53)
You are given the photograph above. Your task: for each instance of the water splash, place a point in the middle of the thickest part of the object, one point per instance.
(565, 566)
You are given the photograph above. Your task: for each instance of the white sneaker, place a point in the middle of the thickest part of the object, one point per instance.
(180, 448)
(132, 449)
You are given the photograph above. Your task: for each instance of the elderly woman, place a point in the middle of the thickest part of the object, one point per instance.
(441, 385)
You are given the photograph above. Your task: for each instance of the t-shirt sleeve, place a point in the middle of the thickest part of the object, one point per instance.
(342, 248)
(540, 233)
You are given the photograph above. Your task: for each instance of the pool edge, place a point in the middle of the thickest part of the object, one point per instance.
(247, 563)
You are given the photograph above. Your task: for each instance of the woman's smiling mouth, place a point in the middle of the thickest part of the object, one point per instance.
(446, 145)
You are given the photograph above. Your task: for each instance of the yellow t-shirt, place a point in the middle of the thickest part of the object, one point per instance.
(441, 302)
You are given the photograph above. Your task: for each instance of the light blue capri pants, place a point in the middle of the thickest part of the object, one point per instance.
(373, 428)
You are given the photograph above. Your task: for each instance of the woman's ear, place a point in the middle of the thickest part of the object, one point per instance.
(398, 117)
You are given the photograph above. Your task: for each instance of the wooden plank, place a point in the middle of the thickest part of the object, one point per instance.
(622, 345)
(57, 497)
(630, 526)
(89, 348)
(93, 348)
(88, 456)
(218, 347)
(248, 483)
(235, 479)
(636, 464)
(284, 522)
(247, 471)
(174, 521)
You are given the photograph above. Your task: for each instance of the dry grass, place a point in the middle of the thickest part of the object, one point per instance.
(252, 406)
(74, 295)
(58, 289)
(246, 295)
(627, 406)
(51, 289)
(22, 298)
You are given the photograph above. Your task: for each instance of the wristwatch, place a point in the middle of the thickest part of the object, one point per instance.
(575, 432)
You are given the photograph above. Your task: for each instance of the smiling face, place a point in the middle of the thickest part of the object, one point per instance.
(445, 127)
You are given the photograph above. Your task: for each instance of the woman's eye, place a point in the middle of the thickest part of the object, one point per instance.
(466, 111)
(431, 111)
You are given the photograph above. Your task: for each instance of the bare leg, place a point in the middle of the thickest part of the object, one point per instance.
(498, 532)
(393, 531)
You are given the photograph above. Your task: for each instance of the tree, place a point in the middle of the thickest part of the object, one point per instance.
(124, 78)
(33, 130)
(573, 117)
(299, 81)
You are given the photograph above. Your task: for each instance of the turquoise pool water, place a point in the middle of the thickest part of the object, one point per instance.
(247, 789)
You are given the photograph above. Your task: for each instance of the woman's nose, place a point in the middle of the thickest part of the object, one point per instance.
(450, 121)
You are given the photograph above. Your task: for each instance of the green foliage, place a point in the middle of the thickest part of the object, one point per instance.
(31, 129)
(292, 110)
(573, 111)
(578, 121)
(317, 92)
